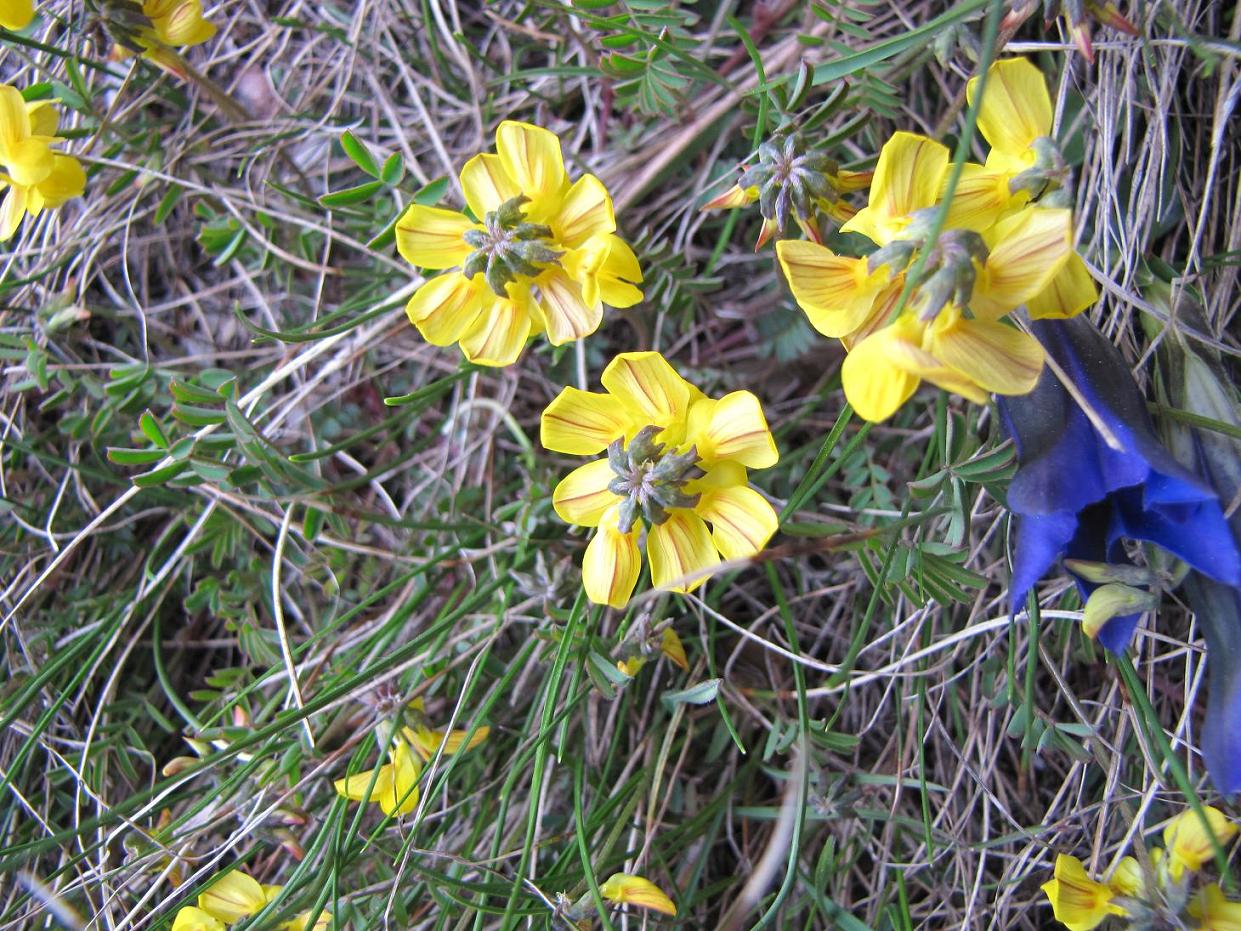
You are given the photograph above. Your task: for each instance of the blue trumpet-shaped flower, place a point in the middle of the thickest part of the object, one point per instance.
(1077, 495)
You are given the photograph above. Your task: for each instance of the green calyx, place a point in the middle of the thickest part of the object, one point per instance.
(1049, 173)
(650, 480)
(790, 179)
(508, 246)
(951, 269)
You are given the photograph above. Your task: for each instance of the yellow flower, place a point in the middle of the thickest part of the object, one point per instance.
(191, 918)
(16, 14)
(35, 176)
(908, 178)
(1214, 912)
(968, 357)
(540, 255)
(232, 897)
(396, 783)
(677, 461)
(1188, 841)
(1078, 902)
(624, 889)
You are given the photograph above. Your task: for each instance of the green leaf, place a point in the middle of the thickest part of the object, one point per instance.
(431, 193)
(161, 475)
(359, 154)
(152, 430)
(130, 457)
(701, 694)
(393, 170)
(349, 196)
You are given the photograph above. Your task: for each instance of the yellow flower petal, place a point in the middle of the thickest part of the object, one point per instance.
(733, 428)
(426, 742)
(184, 25)
(1070, 292)
(981, 197)
(908, 177)
(678, 547)
(531, 157)
(607, 270)
(1028, 249)
(16, 14)
(1016, 109)
(582, 496)
(1214, 911)
(837, 292)
(499, 333)
(1188, 842)
(649, 388)
(301, 922)
(582, 423)
(447, 306)
(430, 237)
(994, 356)
(670, 645)
(874, 385)
(191, 918)
(566, 315)
(735, 196)
(1078, 902)
(354, 787)
(742, 521)
(14, 120)
(625, 889)
(486, 184)
(44, 117)
(232, 897)
(28, 160)
(612, 563)
(586, 211)
(401, 792)
(12, 210)
(64, 182)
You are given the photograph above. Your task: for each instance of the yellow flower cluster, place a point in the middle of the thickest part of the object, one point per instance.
(536, 254)
(676, 461)
(1081, 903)
(33, 177)
(999, 250)
(234, 897)
(394, 785)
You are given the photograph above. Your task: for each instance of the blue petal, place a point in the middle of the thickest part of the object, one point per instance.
(1218, 609)
(1196, 533)
(1040, 539)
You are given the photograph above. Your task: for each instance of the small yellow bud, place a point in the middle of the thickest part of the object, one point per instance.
(1188, 841)
(624, 889)
(1128, 879)
(735, 196)
(1114, 600)
(632, 666)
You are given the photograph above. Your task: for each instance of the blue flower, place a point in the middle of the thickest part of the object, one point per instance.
(1078, 496)
(1218, 609)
